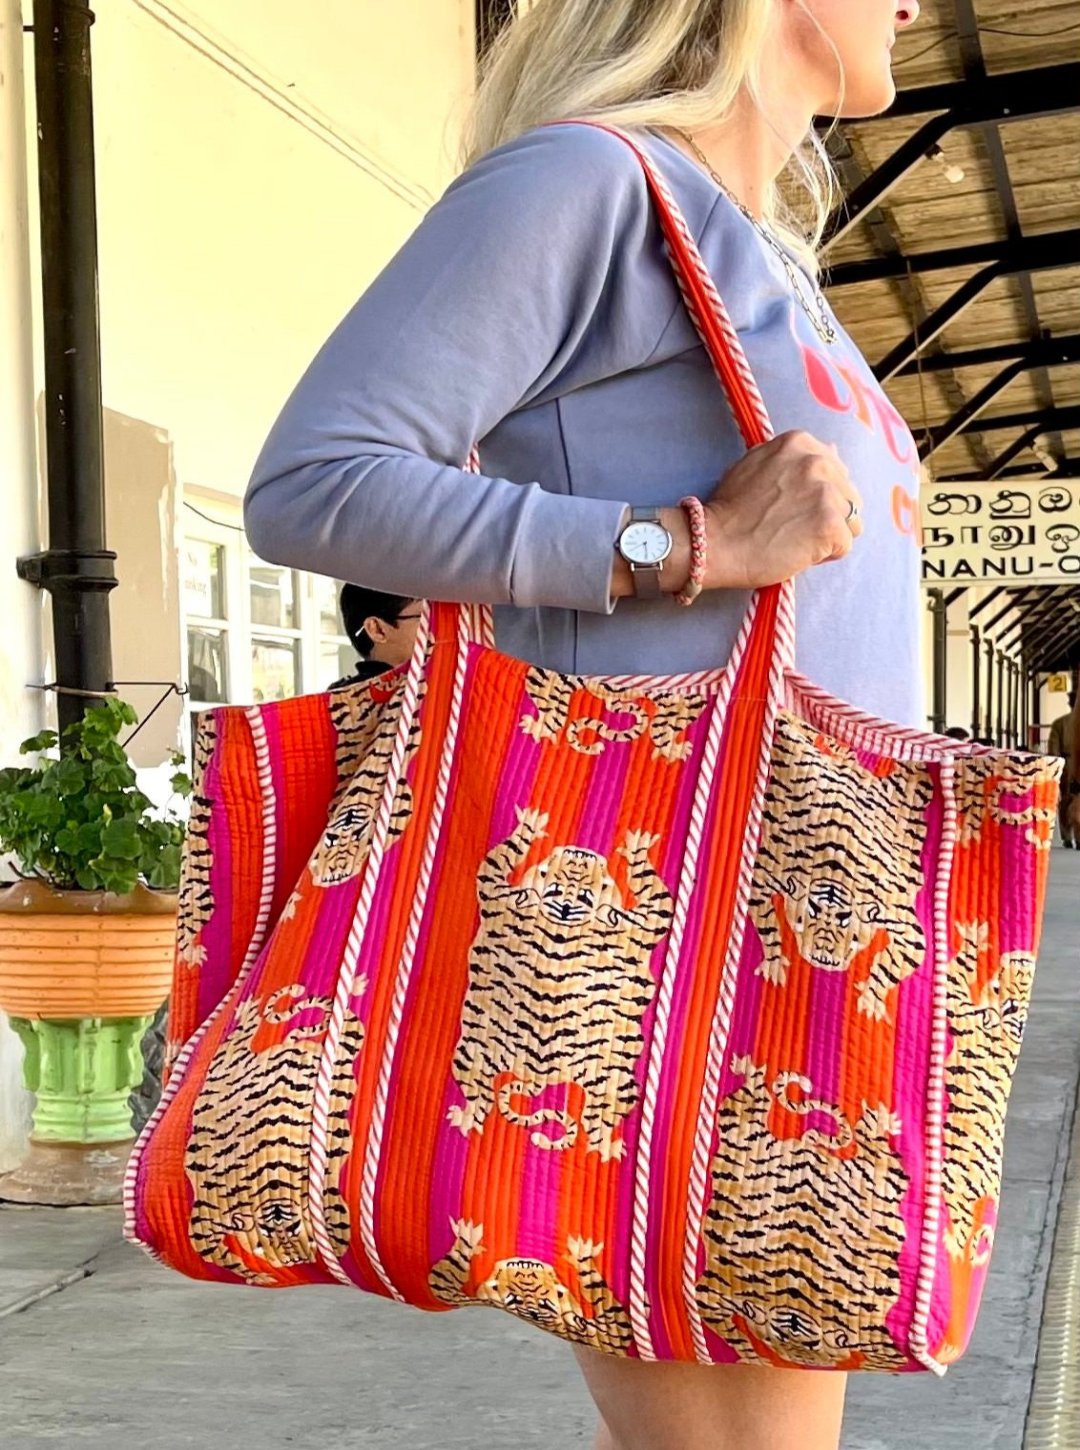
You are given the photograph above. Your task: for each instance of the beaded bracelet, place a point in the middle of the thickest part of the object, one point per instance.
(695, 517)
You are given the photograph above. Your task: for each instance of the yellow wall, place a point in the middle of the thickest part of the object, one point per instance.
(257, 164)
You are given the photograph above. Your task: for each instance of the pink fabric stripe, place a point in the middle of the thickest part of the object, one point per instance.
(936, 1102)
(376, 1127)
(350, 962)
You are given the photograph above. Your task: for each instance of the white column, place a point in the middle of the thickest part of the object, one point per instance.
(20, 605)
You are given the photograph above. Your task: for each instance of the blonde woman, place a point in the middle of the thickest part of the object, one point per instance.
(534, 311)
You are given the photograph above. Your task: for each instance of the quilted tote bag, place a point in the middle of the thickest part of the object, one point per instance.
(675, 1016)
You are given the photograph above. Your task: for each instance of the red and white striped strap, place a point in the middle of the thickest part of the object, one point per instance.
(721, 342)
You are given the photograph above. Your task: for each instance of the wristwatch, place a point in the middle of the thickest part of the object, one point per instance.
(644, 543)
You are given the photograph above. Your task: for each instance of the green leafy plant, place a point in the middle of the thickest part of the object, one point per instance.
(78, 820)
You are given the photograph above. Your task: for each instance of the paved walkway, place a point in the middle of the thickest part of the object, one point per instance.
(99, 1347)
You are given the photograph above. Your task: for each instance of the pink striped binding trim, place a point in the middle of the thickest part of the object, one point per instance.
(935, 1093)
(255, 946)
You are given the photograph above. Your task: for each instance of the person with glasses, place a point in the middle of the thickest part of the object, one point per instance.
(382, 628)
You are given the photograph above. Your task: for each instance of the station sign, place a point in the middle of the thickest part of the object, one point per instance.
(1023, 532)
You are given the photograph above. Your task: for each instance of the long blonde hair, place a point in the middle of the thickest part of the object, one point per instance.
(644, 63)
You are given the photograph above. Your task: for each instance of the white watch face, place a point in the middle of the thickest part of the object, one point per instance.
(645, 543)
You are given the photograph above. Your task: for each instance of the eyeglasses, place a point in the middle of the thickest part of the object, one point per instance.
(403, 617)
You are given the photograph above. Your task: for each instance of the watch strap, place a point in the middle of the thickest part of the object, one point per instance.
(646, 577)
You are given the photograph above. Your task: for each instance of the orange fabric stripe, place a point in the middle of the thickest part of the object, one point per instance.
(428, 1047)
(720, 872)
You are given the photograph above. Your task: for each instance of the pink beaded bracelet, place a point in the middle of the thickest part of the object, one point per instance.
(695, 517)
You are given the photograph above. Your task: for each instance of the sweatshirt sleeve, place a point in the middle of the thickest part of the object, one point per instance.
(485, 310)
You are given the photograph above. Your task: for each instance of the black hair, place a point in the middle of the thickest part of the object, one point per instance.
(358, 604)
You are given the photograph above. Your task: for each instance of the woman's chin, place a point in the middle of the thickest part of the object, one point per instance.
(870, 99)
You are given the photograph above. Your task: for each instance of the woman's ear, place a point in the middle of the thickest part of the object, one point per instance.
(375, 629)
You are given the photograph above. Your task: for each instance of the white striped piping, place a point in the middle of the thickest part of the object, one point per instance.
(638, 1298)
(698, 1184)
(936, 1105)
(670, 971)
(374, 1145)
(869, 732)
(255, 945)
(410, 697)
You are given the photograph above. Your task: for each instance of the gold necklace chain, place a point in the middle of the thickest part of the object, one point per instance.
(820, 321)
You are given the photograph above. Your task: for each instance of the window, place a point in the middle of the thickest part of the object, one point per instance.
(274, 599)
(255, 632)
(336, 653)
(206, 611)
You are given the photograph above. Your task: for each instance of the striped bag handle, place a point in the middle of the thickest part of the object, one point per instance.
(720, 340)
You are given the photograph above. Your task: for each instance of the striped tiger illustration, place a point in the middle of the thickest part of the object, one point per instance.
(666, 719)
(533, 1291)
(1015, 792)
(559, 981)
(195, 902)
(366, 720)
(986, 1026)
(247, 1159)
(839, 868)
(803, 1236)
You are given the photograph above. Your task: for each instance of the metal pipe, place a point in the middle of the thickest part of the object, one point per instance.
(1000, 736)
(940, 613)
(976, 683)
(988, 647)
(20, 607)
(76, 569)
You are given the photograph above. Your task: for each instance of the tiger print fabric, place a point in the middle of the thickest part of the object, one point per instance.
(840, 866)
(366, 720)
(195, 903)
(534, 1291)
(646, 1065)
(559, 943)
(814, 1283)
(246, 1160)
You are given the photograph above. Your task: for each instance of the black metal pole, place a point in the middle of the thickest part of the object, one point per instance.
(988, 646)
(976, 683)
(939, 610)
(999, 739)
(76, 568)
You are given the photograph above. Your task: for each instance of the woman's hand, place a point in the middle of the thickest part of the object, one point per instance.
(783, 508)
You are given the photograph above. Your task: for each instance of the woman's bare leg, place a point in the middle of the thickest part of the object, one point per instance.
(720, 1407)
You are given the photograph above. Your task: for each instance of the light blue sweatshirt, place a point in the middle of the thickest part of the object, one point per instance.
(534, 311)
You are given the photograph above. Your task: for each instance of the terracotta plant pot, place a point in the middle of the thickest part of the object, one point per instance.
(76, 954)
(81, 975)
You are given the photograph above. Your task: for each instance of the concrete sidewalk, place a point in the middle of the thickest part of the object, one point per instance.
(99, 1347)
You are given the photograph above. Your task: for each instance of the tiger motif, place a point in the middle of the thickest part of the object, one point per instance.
(366, 720)
(559, 981)
(989, 787)
(803, 1236)
(666, 721)
(533, 1291)
(839, 867)
(195, 902)
(986, 1027)
(247, 1159)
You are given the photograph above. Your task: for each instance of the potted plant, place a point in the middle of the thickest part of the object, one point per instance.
(86, 944)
